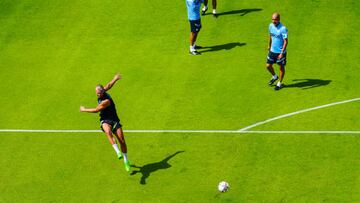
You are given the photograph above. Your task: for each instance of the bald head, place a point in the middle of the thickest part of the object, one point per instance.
(276, 15)
(275, 18)
(99, 89)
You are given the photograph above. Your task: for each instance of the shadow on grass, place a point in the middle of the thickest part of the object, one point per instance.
(308, 83)
(147, 169)
(242, 12)
(226, 46)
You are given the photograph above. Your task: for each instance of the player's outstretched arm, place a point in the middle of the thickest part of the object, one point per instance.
(98, 108)
(112, 82)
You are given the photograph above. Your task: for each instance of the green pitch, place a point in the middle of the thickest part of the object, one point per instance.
(53, 53)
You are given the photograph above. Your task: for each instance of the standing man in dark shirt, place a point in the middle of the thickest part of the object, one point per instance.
(205, 8)
(109, 120)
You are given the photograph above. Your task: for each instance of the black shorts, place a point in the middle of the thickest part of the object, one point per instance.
(114, 125)
(273, 58)
(195, 25)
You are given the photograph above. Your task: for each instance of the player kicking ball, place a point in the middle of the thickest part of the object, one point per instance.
(109, 120)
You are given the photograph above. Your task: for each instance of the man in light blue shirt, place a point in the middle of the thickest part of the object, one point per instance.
(278, 42)
(193, 7)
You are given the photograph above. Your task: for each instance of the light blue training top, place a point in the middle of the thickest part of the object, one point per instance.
(193, 7)
(278, 34)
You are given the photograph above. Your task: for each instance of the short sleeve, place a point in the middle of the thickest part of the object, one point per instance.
(270, 29)
(285, 33)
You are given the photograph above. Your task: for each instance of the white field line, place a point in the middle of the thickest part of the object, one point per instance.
(295, 113)
(240, 131)
(182, 131)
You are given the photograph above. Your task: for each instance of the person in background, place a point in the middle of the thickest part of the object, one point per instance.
(278, 42)
(205, 8)
(193, 7)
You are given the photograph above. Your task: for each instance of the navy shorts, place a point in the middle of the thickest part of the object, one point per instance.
(195, 25)
(114, 125)
(273, 58)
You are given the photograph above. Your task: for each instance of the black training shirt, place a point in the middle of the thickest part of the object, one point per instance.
(109, 113)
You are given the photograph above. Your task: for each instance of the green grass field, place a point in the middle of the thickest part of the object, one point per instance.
(53, 53)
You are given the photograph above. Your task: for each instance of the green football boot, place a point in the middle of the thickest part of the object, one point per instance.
(119, 155)
(127, 166)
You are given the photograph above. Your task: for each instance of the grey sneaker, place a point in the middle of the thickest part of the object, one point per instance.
(273, 80)
(194, 52)
(277, 87)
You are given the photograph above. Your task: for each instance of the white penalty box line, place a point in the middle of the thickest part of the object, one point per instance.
(185, 131)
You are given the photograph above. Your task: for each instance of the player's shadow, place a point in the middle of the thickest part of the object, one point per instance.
(147, 169)
(226, 46)
(308, 83)
(242, 12)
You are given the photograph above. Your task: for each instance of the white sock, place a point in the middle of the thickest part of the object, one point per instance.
(214, 11)
(204, 9)
(275, 76)
(192, 48)
(125, 157)
(279, 84)
(116, 148)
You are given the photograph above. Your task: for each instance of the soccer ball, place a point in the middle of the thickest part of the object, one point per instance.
(223, 186)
